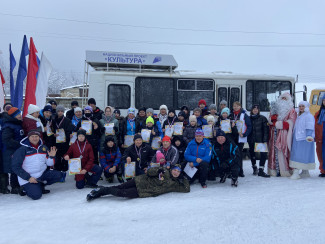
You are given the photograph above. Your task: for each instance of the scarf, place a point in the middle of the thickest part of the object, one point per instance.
(38, 121)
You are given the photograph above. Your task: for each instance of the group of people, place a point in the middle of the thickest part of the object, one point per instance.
(152, 154)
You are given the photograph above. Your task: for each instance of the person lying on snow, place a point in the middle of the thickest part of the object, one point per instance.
(156, 181)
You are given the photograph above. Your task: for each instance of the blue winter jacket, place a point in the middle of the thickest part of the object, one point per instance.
(201, 121)
(195, 150)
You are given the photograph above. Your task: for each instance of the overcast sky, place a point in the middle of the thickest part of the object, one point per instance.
(202, 35)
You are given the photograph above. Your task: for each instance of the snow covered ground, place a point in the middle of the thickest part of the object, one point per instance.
(274, 210)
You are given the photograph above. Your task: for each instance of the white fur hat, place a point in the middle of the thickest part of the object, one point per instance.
(193, 118)
(210, 118)
(33, 108)
(163, 107)
(76, 109)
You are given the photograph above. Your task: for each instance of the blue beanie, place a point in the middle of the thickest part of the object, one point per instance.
(225, 110)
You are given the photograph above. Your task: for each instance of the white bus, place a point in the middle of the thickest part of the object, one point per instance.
(124, 80)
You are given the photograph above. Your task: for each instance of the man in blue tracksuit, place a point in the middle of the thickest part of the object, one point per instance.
(30, 163)
(198, 154)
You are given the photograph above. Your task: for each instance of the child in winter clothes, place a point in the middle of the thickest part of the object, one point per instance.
(224, 115)
(110, 159)
(213, 111)
(203, 107)
(181, 118)
(259, 134)
(171, 119)
(150, 113)
(83, 150)
(77, 116)
(200, 120)
(31, 120)
(160, 158)
(189, 131)
(179, 143)
(150, 125)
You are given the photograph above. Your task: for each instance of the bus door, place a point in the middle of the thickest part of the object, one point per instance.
(229, 93)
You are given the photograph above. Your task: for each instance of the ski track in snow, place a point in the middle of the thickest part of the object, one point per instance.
(260, 210)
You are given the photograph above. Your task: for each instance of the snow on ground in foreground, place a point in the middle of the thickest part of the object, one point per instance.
(275, 210)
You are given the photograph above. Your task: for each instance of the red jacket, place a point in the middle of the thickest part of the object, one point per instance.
(87, 161)
(30, 124)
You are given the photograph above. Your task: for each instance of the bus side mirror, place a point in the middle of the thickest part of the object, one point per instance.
(305, 93)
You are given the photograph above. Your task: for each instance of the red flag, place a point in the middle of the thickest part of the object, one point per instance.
(30, 97)
(2, 78)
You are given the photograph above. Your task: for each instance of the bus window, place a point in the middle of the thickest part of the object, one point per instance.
(151, 92)
(264, 92)
(234, 95)
(119, 96)
(314, 100)
(222, 94)
(190, 91)
(321, 94)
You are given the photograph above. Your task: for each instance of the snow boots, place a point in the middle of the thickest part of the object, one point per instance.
(4, 183)
(234, 182)
(98, 192)
(255, 171)
(295, 175)
(304, 174)
(262, 174)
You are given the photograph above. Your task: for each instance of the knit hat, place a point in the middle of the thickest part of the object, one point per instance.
(225, 110)
(256, 106)
(185, 108)
(137, 136)
(33, 132)
(131, 111)
(91, 101)
(177, 166)
(150, 119)
(13, 112)
(166, 138)
(220, 133)
(163, 107)
(159, 156)
(213, 106)
(193, 118)
(52, 102)
(33, 109)
(149, 110)
(171, 110)
(181, 113)
(142, 109)
(117, 111)
(47, 108)
(109, 138)
(210, 118)
(197, 109)
(87, 108)
(199, 132)
(60, 108)
(74, 103)
(7, 107)
(81, 132)
(224, 102)
(202, 101)
(76, 109)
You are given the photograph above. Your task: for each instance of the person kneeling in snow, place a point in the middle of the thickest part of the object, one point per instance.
(225, 158)
(156, 181)
(82, 149)
(30, 163)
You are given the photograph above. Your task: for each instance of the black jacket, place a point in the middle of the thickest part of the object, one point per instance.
(260, 129)
(96, 134)
(225, 155)
(146, 154)
(68, 129)
(70, 114)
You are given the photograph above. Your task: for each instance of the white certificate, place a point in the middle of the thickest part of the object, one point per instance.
(239, 125)
(73, 138)
(155, 144)
(260, 147)
(145, 134)
(49, 132)
(74, 166)
(178, 128)
(61, 136)
(109, 129)
(128, 141)
(87, 125)
(207, 130)
(189, 170)
(129, 170)
(169, 130)
(225, 125)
